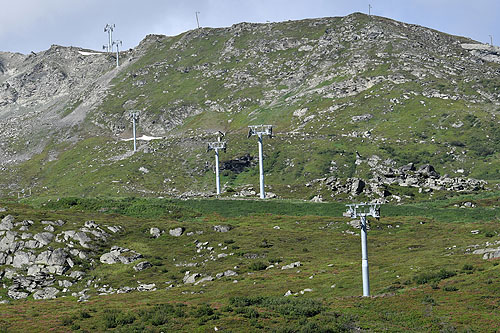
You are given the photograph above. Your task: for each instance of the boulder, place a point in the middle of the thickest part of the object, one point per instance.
(142, 266)
(52, 258)
(8, 242)
(427, 170)
(17, 294)
(46, 293)
(204, 279)
(190, 278)
(155, 232)
(292, 265)
(7, 223)
(176, 232)
(357, 186)
(146, 287)
(222, 228)
(22, 258)
(44, 238)
(3, 258)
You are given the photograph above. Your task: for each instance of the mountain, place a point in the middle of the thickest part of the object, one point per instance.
(362, 106)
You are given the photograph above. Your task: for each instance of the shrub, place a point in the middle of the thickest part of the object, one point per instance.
(450, 288)
(467, 267)
(257, 266)
(424, 278)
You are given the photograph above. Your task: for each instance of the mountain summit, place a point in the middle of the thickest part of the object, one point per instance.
(361, 106)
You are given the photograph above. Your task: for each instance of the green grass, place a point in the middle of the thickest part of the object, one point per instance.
(420, 267)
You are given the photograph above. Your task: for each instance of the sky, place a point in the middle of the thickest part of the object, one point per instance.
(34, 25)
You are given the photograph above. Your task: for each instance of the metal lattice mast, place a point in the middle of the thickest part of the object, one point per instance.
(216, 146)
(117, 42)
(259, 131)
(134, 115)
(109, 29)
(362, 210)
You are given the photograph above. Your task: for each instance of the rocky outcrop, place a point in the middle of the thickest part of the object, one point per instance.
(120, 255)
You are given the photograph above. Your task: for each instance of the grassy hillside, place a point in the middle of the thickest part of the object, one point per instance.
(331, 87)
(423, 275)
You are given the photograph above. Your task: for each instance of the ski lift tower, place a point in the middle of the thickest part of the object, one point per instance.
(362, 210)
(117, 42)
(109, 29)
(134, 115)
(216, 146)
(259, 131)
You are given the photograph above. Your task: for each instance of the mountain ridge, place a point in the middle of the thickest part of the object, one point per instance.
(357, 83)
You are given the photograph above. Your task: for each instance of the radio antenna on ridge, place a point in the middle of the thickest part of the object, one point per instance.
(259, 131)
(197, 20)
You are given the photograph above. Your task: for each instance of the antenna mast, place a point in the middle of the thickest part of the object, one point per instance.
(216, 146)
(259, 131)
(197, 21)
(362, 210)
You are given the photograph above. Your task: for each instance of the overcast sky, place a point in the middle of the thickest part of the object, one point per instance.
(34, 25)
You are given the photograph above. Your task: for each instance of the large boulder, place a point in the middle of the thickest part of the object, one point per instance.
(142, 266)
(22, 259)
(176, 232)
(8, 242)
(44, 238)
(7, 223)
(46, 293)
(222, 228)
(52, 258)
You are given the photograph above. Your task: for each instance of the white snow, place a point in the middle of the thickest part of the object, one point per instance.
(89, 53)
(145, 138)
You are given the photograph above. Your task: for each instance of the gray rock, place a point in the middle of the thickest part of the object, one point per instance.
(33, 244)
(58, 223)
(292, 265)
(176, 232)
(222, 228)
(113, 229)
(22, 259)
(115, 256)
(146, 287)
(189, 279)
(46, 293)
(49, 228)
(3, 209)
(65, 283)
(204, 279)
(17, 294)
(44, 238)
(77, 275)
(155, 232)
(8, 242)
(7, 223)
(142, 266)
(34, 270)
(3, 258)
(357, 186)
(230, 273)
(82, 238)
(52, 258)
